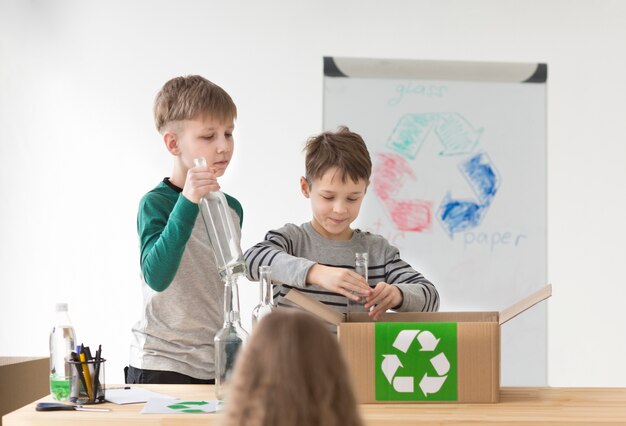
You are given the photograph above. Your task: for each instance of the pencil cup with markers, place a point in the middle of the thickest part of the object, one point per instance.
(87, 384)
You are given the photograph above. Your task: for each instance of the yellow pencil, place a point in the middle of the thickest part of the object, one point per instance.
(83, 360)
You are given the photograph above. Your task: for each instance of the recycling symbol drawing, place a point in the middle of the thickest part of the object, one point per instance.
(416, 361)
(457, 141)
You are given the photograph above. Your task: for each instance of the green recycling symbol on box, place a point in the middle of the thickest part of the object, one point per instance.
(416, 361)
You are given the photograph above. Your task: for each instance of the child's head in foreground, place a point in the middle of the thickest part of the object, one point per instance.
(291, 372)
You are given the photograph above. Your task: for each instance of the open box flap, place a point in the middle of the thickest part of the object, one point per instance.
(332, 316)
(315, 307)
(524, 304)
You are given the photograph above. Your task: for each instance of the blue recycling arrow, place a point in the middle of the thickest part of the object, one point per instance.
(459, 215)
(482, 176)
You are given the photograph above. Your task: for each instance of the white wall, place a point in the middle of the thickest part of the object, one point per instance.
(78, 147)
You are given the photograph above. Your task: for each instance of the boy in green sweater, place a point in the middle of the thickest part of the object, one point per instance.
(183, 294)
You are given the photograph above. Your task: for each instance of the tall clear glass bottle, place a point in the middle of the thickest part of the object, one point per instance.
(62, 340)
(360, 266)
(222, 232)
(229, 259)
(230, 339)
(266, 302)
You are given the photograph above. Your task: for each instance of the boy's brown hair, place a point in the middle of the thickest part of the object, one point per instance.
(190, 97)
(343, 149)
(291, 372)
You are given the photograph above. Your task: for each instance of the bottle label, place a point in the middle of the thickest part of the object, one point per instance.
(60, 387)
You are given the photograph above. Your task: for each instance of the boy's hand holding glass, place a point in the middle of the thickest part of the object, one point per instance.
(385, 296)
(338, 280)
(200, 181)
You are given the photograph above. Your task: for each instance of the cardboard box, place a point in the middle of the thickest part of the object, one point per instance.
(22, 381)
(422, 356)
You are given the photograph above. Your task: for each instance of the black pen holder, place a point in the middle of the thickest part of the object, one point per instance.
(87, 384)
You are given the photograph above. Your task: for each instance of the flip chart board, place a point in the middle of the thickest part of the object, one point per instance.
(458, 182)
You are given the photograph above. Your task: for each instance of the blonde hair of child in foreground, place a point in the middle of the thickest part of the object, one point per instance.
(291, 372)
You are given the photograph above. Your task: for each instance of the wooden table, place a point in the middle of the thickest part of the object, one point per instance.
(518, 406)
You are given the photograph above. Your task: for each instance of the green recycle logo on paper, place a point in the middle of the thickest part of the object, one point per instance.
(188, 406)
(416, 361)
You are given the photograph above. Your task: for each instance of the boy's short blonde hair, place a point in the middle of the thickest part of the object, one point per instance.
(343, 149)
(190, 97)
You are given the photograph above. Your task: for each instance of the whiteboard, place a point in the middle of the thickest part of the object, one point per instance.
(458, 182)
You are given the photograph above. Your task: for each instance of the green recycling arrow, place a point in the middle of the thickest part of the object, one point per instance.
(185, 406)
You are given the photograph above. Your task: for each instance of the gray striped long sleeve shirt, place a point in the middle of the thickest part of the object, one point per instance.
(292, 250)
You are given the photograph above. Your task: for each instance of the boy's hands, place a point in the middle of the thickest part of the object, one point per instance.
(199, 182)
(385, 296)
(345, 282)
(339, 280)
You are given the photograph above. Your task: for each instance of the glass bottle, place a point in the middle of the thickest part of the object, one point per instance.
(62, 340)
(230, 339)
(222, 232)
(360, 267)
(266, 302)
(224, 240)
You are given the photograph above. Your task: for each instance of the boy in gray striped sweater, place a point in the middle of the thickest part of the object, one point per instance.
(317, 257)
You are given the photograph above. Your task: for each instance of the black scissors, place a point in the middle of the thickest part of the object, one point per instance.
(55, 406)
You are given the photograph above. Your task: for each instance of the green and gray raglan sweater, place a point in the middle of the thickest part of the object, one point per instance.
(183, 295)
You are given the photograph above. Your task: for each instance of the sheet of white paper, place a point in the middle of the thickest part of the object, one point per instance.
(133, 395)
(179, 406)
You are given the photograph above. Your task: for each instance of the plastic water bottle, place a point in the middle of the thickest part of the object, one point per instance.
(62, 340)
